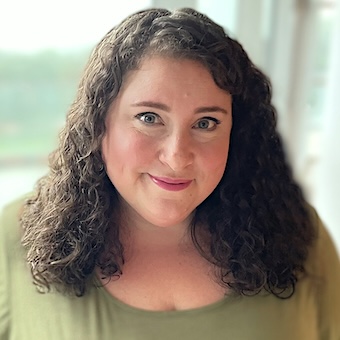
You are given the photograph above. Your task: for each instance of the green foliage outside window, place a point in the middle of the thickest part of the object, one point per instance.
(35, 93)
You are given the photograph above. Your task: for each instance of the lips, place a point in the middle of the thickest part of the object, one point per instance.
(171, 184)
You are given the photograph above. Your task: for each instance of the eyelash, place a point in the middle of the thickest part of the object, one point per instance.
(210, 119)
(141, 116)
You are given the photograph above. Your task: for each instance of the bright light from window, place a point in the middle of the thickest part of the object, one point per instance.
(38, 24)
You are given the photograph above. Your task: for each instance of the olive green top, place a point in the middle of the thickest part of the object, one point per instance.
(313, 313)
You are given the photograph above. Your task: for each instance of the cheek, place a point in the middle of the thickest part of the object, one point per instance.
(214, 160)
(127, 150)
(215, 168)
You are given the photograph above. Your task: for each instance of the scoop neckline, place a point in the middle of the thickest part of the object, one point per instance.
(137, 310)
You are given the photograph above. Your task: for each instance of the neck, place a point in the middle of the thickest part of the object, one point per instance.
(136, 232)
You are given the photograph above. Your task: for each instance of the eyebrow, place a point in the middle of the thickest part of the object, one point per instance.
(163, 107)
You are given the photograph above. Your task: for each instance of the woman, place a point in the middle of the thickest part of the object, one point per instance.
(169, 211)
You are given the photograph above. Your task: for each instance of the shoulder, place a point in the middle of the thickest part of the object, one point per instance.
(10, 221)
(323, 266)
(10, 249)
(9, 238)
(323, 249)
(10, 233)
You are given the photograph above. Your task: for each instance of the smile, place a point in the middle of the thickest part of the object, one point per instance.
(171, 184)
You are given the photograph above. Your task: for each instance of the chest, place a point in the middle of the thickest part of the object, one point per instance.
(166, 281)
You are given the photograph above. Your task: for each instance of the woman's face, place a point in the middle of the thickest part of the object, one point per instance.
(167, 139)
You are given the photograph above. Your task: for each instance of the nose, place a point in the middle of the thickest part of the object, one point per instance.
(177, 151)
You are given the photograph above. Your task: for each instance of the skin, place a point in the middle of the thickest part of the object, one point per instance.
(170, 120)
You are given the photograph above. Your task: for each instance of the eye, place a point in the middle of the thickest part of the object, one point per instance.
(149, 118)
(207, 123)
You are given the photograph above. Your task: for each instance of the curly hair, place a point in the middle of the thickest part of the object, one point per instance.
(257, 218)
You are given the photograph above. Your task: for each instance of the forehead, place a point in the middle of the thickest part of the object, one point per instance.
(161, 76)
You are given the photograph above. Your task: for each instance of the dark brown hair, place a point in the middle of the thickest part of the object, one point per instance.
(257, 217)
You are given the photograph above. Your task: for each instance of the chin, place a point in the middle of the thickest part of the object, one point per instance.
(169, 222)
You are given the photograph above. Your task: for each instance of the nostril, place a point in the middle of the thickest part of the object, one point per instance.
(177, 160)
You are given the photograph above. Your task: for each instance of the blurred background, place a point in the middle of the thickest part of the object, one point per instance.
(44, 47)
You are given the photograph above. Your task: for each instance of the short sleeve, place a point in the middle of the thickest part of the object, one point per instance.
(328, 266)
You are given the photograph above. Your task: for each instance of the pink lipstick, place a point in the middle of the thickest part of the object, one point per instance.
(171, 184)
